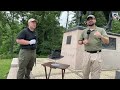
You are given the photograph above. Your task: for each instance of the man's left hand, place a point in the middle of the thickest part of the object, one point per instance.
(98, 34)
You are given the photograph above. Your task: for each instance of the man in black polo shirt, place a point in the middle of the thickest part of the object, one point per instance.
(27, 55)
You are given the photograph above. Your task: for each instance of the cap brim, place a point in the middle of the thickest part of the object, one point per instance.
(33, 21)
(90, 17)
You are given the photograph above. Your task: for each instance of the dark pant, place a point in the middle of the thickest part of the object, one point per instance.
(27, 59)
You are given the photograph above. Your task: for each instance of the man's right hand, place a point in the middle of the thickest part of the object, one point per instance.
(80, 42)
(33, 41)
(85, 42)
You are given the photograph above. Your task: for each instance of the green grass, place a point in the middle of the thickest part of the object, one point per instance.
(4, 68)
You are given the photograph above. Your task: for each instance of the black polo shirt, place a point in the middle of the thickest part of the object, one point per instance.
(27, 34)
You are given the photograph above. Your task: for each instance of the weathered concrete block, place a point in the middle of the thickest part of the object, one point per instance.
(14, 69)
(117, 75)
(12, 73)
(14, 62)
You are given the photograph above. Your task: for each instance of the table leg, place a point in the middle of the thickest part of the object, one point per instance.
(49, 73)
(45, 72)
(63, 73)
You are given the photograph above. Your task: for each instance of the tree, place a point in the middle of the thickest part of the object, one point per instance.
(116, 26)
(67, 19)
(101, 21)
(48, 29)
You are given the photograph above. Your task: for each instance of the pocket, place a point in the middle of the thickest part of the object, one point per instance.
(21, 53)
(86, 57)
(100, 57)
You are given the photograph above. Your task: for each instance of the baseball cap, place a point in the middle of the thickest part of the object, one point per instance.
(31, 20)
(90, 16)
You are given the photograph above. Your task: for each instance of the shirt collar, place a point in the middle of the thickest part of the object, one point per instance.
(92, 30)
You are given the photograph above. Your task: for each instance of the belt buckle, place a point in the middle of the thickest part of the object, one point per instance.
(98, 51)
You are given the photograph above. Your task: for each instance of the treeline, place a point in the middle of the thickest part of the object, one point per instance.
(49, 31)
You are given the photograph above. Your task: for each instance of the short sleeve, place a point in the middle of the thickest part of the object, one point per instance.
(21, 35)
(104, 33)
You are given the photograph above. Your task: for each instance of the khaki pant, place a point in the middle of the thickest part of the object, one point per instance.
(27, 59)
(92, 63)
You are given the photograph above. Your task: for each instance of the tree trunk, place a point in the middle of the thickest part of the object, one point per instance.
(67, 19)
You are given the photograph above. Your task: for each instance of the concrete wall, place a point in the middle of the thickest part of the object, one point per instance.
(111, 58)
(73, 53)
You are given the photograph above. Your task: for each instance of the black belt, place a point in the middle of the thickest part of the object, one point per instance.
(94, 51)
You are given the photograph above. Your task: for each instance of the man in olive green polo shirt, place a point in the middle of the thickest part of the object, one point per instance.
(92, 38)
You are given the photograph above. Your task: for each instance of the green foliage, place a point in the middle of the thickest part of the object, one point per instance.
(48, 29)
(4, 68)
(116, 26)
(101, 21)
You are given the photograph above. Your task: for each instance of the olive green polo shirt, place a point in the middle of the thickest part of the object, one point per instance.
(95, 43)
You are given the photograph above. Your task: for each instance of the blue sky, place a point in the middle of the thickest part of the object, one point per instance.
(63, 18)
